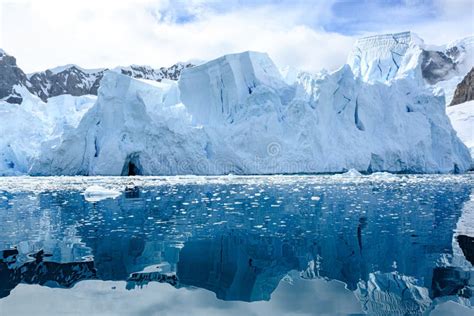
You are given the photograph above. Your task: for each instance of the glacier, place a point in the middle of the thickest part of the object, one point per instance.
(27, 127)
(387, 57)
(237, 114)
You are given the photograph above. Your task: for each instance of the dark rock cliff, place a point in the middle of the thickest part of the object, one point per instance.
(465, 89)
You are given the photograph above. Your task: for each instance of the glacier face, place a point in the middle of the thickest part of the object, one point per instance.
(386, 57)
(218, 90)
(131, 124)
(238, 114)
(33, 124)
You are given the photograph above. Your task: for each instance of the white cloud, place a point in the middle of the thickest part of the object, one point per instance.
(101, 33)
(450, 20)
(47, 33)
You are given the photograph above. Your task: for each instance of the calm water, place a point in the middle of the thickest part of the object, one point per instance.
(383, 245)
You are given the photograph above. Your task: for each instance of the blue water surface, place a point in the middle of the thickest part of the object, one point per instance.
(306, 245)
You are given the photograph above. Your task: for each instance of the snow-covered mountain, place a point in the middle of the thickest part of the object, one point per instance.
(237, 114)
(10, 76)
(147, 72)
(70, 79)
(76, 81)
(383, 58)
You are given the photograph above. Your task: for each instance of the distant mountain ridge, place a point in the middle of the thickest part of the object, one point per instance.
(70, 79)
(10, 75)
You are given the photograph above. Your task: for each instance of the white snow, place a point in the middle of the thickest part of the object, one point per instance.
(96, 193)
(59, 69)
(465, 59)
(149, 73)
(447, 87)
(462, 119)
(464, 63)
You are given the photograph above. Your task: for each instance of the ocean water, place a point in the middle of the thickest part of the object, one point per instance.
(257, 245)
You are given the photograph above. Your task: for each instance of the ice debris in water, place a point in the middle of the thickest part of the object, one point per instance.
(64, 183)
(352, 173)
(383, 176)
(97, 193)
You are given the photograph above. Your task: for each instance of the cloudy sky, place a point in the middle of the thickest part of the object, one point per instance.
(306, 34)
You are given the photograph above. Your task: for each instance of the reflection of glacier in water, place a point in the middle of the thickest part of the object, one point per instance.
(389, 240)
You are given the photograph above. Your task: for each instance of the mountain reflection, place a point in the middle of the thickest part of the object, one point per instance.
(240, 240)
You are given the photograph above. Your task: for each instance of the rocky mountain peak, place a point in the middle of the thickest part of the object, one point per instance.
(70, 79)
(10, 76)
(149, 73)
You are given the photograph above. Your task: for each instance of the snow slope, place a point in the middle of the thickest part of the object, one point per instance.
(462, 119)
(237, 115)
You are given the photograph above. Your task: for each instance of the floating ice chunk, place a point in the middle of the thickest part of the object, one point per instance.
(97, 193)
(352, 173)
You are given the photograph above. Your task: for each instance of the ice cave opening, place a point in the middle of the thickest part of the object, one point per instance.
(132, 166)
